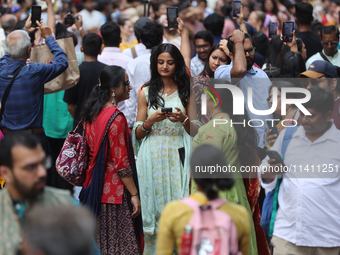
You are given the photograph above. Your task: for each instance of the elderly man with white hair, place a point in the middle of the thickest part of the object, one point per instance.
(23, 109)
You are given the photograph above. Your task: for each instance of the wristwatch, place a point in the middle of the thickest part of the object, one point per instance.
(186, 121)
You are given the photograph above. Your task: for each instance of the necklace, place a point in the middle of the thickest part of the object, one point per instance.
(170, 89)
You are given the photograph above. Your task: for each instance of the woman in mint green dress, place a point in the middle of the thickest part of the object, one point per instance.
(158, 136)
(236, 142)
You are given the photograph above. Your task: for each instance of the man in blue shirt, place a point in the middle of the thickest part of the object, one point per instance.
(242, 54)
(24, 105)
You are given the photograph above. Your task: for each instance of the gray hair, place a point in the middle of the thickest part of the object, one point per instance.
(17, 48)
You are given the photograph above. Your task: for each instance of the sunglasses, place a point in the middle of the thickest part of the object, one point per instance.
(333, 43)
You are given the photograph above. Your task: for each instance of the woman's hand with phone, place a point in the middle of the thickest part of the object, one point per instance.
(176, 116)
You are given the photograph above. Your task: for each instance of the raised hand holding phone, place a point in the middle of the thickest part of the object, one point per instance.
(28, 25)
(44, 30)
(293, 44)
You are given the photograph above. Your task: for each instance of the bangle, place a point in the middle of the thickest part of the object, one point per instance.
(238, 42)
(144, 129)
(81, 28)
(186, 121)
(134, 195)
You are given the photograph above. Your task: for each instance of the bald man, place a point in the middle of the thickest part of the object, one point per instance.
(8, 22)
(23, 109)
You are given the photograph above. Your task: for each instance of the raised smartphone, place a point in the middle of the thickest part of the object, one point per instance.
(36, 15)
(236, 8)
(287, 31)
(172, 14)
(272, 29)
(166, 109)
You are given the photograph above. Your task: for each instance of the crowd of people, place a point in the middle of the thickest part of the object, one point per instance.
(157, 98)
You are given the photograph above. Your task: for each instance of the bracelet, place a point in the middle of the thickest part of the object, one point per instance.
(186, 121)
(81, 28)
(134, 195)
(238, 42)
(144, 129)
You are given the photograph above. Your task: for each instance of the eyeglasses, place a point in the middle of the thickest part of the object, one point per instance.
(314, 82)
(251, 51)
(204, 47)
(333, 43)
(126, 83)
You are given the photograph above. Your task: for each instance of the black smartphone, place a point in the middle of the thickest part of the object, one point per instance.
(236, 8)
(287, 31)
(275, 155)
(69, 19)
(172, 14)
(272, 29)
(36, 15)
(166, 109)
(272, 126)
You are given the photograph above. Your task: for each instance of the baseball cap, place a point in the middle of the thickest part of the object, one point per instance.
(320, 68)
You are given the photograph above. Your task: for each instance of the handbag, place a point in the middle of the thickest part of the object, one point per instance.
(271, 203)
(42, 54)
(8, 88)
(72, 161)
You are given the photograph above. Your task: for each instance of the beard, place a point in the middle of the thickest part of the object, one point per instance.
(250, 63)
(28, 192)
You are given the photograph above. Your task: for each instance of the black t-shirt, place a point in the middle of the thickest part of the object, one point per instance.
(312, 42)
(89, 75)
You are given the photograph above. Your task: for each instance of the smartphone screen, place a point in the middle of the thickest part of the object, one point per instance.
(172, 13)
(36, 15)
(272, 29)
(236, 8)
(287, 31)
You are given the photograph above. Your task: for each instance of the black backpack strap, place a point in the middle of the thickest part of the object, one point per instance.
(8, 88)
(324, 57)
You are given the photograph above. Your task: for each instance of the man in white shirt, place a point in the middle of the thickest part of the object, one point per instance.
(111, 54)
(138, 69)
(139, 48)
(329, 42)
(203, 40)
(92, 19)
(308, 219)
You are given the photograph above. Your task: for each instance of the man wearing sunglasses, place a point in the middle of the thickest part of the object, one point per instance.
(329, 42)
(324, 75)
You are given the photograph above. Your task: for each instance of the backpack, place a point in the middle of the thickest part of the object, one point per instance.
(270, 203)
(214, 231)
